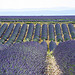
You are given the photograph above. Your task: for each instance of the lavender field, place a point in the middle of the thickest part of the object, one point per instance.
(36, 45)
(37, 18)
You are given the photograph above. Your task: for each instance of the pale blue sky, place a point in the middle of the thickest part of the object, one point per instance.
(36, 7)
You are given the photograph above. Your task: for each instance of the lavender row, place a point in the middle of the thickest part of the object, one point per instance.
(65, 57)
(58, 32)
(44, 32)
(65, 32)
(37, 32)
(51, 32)
(3, 29)
(22, 33)
(72, 30)
(14, 34)
(39, 17)
(30, 32)
(7, 33)
(23, 59)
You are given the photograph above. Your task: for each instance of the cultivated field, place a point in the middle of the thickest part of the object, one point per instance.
(52, 67)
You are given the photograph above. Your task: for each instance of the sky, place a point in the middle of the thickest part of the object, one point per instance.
(36, 7)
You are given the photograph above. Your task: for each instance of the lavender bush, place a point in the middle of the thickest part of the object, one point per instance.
(65, 57)
(23, 59)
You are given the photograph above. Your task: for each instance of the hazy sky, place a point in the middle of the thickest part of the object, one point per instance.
(36, 5)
